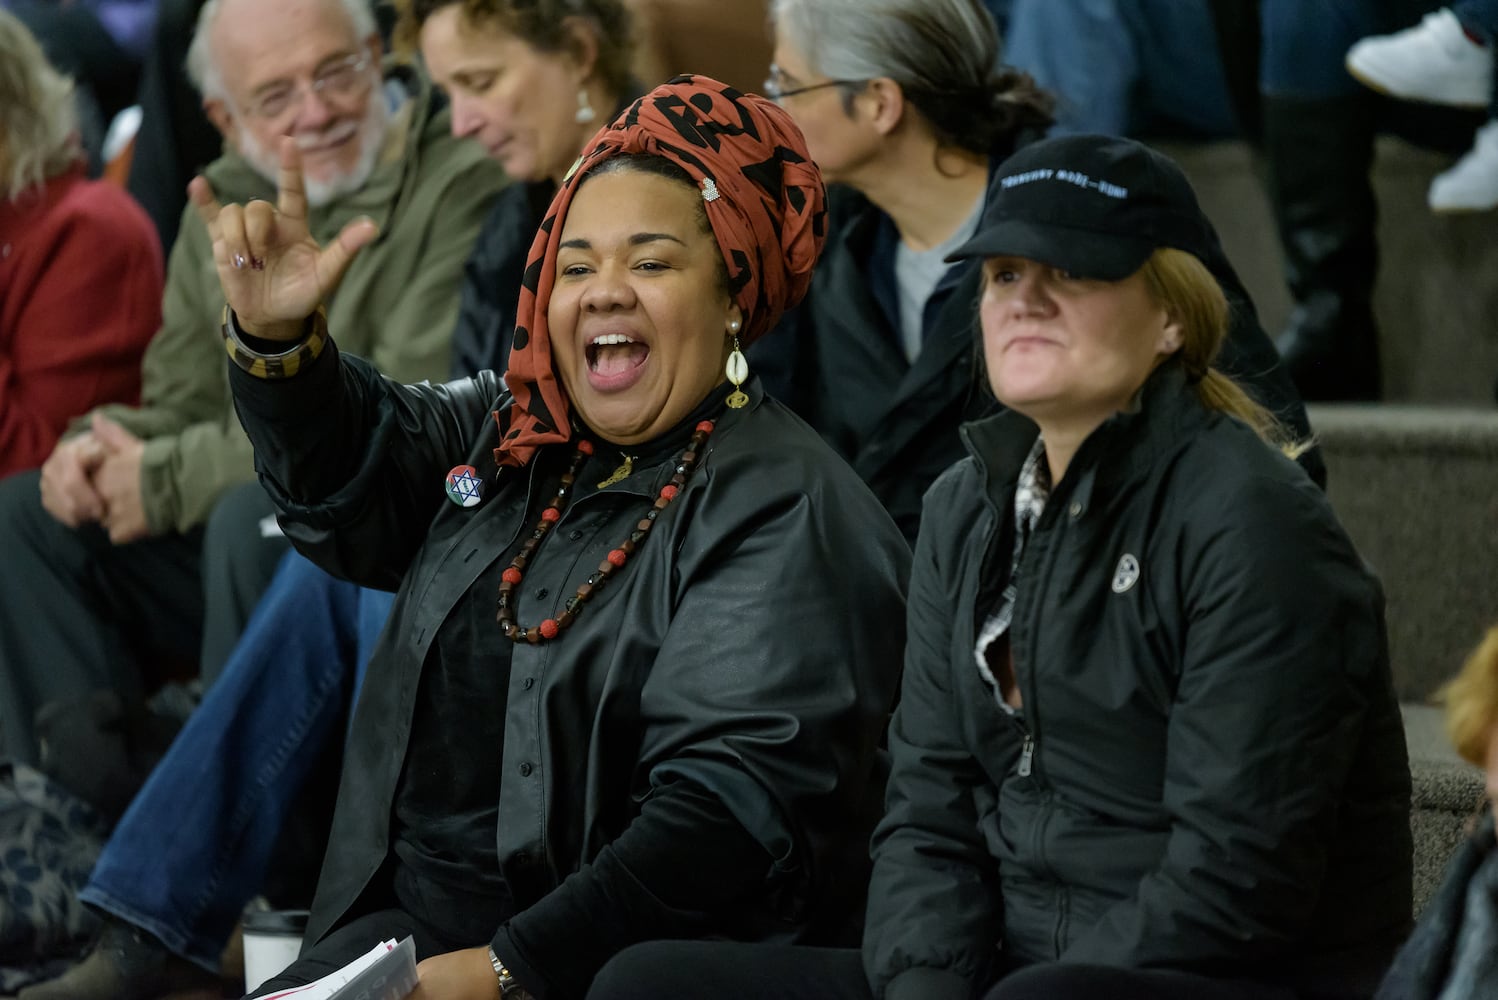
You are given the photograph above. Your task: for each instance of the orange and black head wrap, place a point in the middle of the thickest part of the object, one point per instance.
(764, 199)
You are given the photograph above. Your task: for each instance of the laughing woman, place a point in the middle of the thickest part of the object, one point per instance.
(626, 691)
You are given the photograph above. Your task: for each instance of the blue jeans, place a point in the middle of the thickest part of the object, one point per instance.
(1305, 41)
(194, 846)
(1121, 67)
(1479, 17)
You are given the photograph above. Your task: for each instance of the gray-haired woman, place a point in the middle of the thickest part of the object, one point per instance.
(908, 112)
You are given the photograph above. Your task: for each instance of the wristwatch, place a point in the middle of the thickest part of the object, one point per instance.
(509, 989)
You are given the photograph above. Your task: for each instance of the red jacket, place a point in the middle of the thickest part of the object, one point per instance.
(80, 296)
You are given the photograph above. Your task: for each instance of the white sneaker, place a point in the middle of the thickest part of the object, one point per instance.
(1471, 185)
(1434, 62)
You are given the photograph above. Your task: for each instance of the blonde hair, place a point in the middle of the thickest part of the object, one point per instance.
(1471, 700)
(1182, 285)
(38, 123)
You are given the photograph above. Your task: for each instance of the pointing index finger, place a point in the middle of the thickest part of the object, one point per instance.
(292, 199)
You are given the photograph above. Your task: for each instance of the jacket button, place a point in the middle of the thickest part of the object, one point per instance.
(541, 594)
(1076, 510)
(528, 683)
(575, 534)
(525, 770)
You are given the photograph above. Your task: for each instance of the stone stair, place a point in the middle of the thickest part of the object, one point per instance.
(1437, 293)
(1417, 489)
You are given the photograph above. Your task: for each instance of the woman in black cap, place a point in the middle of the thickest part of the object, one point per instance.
(1147, 744)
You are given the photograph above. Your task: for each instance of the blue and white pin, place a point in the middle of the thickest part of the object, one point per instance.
(464, 486)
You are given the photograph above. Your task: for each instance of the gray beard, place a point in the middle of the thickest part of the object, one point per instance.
(267, 162)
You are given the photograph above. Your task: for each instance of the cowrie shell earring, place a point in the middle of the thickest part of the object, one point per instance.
(737, 370)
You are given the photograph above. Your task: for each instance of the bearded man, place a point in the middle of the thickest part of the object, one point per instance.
(106, 550)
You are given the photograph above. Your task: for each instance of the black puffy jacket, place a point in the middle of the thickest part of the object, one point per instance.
(1209, 771)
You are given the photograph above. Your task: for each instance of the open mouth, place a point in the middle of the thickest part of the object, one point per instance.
(615, 356)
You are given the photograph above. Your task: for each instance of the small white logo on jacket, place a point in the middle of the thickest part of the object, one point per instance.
(1126, 575)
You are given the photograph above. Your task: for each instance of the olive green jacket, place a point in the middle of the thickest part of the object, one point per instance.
(396, 305)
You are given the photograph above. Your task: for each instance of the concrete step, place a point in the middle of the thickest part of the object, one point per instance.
(1447, 795)
(1417, 490)
(1436, 298)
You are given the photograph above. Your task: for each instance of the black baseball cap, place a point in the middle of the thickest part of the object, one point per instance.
(1094, 205)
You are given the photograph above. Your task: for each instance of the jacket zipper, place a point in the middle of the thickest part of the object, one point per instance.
(1026, 753)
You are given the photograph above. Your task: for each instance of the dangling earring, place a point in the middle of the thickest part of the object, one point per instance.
(737, 370)
(585, 112)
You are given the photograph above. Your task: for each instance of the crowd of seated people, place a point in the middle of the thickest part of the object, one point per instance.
(839, 542)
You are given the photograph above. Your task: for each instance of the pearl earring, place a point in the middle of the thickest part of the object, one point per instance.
(585, 112)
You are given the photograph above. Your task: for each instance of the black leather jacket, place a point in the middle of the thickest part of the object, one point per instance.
(751, 647)
(1209, 771)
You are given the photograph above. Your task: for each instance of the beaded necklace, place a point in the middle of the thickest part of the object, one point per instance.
(552, 513)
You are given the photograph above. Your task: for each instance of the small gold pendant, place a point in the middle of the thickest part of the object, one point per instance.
(620, 473)
(737, 400)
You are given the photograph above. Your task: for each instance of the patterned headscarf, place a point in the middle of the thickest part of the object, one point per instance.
(764, 200)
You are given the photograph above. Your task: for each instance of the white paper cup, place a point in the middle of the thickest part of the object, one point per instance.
(272, 940)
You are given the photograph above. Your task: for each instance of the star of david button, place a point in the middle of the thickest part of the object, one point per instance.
(464, 487)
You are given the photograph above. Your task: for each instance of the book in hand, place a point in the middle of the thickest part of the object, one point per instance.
(385, 972)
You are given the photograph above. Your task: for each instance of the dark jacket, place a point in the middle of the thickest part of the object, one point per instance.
(1424, 965)
(1209, 771)
(750, 648)
(492, 279)
(895, 422)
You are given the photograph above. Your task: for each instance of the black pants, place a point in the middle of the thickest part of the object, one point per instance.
(239, 560)
(683, 970)
(78, 613)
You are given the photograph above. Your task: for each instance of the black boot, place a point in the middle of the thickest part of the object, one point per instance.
(1319, 153)
(127, 964)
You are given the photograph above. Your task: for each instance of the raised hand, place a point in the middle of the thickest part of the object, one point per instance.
(273, 272)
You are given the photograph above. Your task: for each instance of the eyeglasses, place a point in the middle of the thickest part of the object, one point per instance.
(345, 78)
(776, 89)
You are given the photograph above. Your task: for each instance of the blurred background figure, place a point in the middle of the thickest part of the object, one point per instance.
(1453, 954)
(1446, 59)
(100, 44)
(1124, 67)
(727, 41)
(80, 271)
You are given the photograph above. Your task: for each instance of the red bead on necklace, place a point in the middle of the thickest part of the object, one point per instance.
(615, 560)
